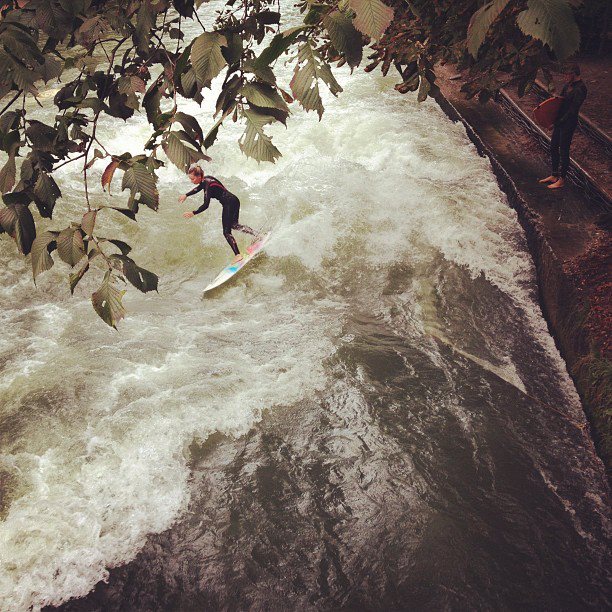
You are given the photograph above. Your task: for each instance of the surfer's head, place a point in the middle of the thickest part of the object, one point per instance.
(195, 174)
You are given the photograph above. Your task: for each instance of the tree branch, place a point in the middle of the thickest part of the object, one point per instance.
(68, 161)
(11, 102)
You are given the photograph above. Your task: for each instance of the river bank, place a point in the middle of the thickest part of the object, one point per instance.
(570, 240)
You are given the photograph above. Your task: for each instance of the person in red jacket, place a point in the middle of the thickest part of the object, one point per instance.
(573, 93)
(213, 188)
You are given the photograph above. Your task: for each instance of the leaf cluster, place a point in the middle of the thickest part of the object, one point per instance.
(495, 43)
(118, 59)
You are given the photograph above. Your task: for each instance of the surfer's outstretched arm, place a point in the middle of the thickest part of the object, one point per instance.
(202, 185)
(195, 190)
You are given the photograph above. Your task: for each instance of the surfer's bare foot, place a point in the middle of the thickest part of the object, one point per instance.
(558, 184)
(238, 258)
(549, 179)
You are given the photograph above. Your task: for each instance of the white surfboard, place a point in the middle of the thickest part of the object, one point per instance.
(252, 251)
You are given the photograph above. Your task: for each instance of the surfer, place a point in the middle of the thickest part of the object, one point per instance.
(573, 93)
(213, 188)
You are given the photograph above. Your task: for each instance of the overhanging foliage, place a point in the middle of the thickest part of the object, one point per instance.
(114, 58)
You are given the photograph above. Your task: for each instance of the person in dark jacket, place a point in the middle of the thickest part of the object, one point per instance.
(213, 188)
(574, 93)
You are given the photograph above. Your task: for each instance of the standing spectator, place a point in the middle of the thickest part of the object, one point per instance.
(573, 93)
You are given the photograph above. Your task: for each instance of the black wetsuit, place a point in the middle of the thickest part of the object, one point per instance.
(213, 188)
(573, 95)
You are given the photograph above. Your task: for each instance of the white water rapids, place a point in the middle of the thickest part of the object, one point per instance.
(96, 424)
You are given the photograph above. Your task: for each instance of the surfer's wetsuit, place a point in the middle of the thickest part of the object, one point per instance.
(573, 95)
(213, 188)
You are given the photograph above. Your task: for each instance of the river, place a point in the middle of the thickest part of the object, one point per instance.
(371, 416)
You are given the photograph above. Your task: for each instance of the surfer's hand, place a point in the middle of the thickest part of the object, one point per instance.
(182, 198)
(188, 214)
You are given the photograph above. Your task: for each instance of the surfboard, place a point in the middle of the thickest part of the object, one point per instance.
(229, 271)
(546, 112)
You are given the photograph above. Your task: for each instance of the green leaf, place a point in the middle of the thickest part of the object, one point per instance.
(21, 45)
(89, 63)
(124, 211)
(206, 56)
(17, 197)
(309, 70)
(162, 121)
(263, 73)
(372, 17)
(18, 73)
(70, 245)
(88, 222)
(151, 101)
(41, 249)
(107, 302)
(75, 7)
(279, 44)
(255, 142)
(145, 21)
(26, 171)
(8, 174)
(42, 135)
(9, 121)
(480, 23)
(46, 193)
(264, 95)
(130, 86)
(189, 84)
(142, 279)
(51, 18)
(233, 51)
(121, 105)
(92, 102)
(187, 138)
(51, 69)
(17, 221)
(11, 142)
(344, 37)
(190, 124)
(229, 92)
(184, 7)
(183, 64)
(139, 180)
(552, 22)
(124, 247)
(92, 30)
(179, 153)
(75, 277)
(268, 17)
(212, 134)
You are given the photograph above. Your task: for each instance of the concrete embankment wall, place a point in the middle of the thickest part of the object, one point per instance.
(563, 303)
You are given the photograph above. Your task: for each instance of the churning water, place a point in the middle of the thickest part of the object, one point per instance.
(371, 415)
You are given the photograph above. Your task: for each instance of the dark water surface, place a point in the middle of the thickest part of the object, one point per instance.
(417, 480)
